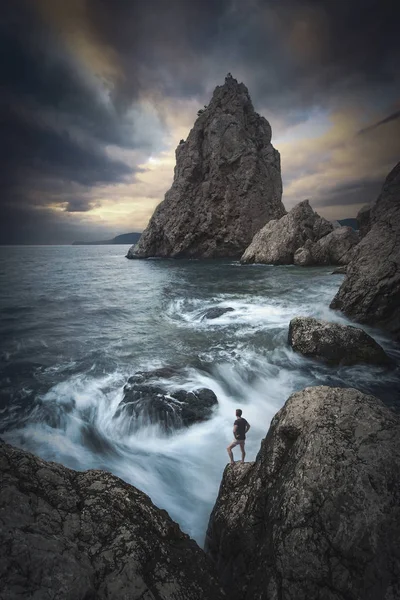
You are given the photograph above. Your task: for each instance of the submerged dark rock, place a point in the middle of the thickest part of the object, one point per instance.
(80, 536)
(147, 401)
(317, 516)
(227, 183)
(334, 343)
(370, 292)
(277, 242)
(214, 313)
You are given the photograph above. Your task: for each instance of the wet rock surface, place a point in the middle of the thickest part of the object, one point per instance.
(370, 292)
(147, 401)
(336, 248)
(227, 183)
(277, 242)
(334, 343)
(83, 536)
(317, 516)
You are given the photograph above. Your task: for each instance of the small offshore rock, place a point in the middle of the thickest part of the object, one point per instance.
(340, 270)
(214, 313)
(89, 535)
(277, 242)
(334, 343)
(317, 516)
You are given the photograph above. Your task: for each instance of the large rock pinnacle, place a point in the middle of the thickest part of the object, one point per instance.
(227, 183)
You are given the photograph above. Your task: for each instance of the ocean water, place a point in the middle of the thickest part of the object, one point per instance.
(76, 322)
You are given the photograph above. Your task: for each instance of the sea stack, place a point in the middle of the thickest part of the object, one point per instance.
(370, 292)
(227, 183)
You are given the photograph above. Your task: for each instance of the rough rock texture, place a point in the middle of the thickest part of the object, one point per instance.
(90, 536)
(214, 313)
(278, 241)
(227, 183)
(317, 516)
(370, 292)
(364, 220)
(147, 401)
(334, 343)
(336, 248)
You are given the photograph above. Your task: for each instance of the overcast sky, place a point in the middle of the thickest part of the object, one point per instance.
(96, 95)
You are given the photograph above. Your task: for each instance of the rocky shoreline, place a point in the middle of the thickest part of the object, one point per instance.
(317, 515)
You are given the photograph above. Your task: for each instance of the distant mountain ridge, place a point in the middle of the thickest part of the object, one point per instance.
(124, 238)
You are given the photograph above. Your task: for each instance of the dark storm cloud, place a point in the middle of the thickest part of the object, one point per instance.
(294, 55)
(291, 53)
(162, 46)
(54, 127)
(80, 205)
(25, 224)
(388, 119)
(28, 145)
(353, 194)
(36, 71)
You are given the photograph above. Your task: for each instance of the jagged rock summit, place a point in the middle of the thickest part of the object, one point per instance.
(227, 183)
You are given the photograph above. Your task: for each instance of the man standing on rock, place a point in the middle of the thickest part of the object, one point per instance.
(240, 428)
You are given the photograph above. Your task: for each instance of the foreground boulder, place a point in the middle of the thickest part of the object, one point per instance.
(334, 343)
(278, 241)
(147, 401)
(336, 248)
(317, 516)
(227, 183)
(370, 292)
(81, 536)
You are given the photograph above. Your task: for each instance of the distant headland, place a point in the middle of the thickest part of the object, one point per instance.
(124, 238)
